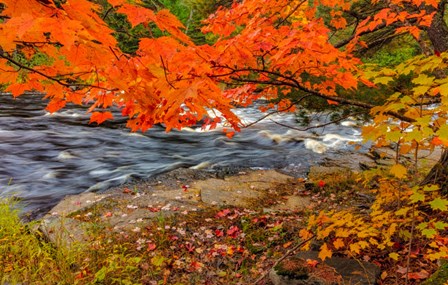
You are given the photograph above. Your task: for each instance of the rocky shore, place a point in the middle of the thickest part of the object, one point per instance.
(183, 192)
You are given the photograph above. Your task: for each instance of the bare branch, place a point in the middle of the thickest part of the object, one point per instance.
(276, 112)
(57, 80)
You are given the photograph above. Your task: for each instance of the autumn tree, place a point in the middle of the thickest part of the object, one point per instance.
(283, 49)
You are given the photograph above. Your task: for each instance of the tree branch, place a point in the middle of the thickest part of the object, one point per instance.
(294, 83)
(59, 81)
(318, 126)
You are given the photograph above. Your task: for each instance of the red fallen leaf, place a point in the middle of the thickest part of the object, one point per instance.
(437, 53)
(195, 266)
(312, 263)
(330, 102)
(423, 274)
(173, 238)
(108, 214)
(321, 183)
(126, 190)
(219, 233)
(223, 213)
(185, 187)
(154, 209)
(189, 247)
(233, 232)
(240, 249)
(151, 246)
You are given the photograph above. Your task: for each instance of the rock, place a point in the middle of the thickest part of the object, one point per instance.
(240, 190)
(317, 173)
(353, 272)
(292, 203)
(62, 231)
(297, 271)
(184, 190)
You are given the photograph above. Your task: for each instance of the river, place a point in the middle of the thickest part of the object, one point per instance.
(44, 157)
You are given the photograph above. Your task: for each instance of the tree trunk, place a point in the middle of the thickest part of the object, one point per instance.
(438, 34)
(439, 174)
(438, 31)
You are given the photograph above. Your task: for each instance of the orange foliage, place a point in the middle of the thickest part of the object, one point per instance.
(170, 79)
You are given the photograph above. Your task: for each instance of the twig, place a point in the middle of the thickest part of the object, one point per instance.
(288, 253)
(290, 14)
(165, 72)
(59, 81)
(408, 258)
(276, 112)
(317, 126)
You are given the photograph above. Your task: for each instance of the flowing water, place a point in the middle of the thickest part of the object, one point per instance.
(44, 157)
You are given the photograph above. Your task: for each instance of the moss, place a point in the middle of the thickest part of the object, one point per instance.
(440, 277)
(294, 268)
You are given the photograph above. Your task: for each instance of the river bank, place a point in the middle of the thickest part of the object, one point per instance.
(188, 226)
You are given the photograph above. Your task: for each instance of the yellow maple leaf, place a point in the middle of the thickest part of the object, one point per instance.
(398, 171)
(325, 252)
(338, 243)
(355, 248)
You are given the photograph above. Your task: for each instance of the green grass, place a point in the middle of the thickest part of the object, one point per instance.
(24, 257)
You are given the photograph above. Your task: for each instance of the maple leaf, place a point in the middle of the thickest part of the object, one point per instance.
(100, 117)
(137, 15)
(398, 171)
(233, 232)
(439, 204)
(116, 3)
(55, 105)
(422, 274)
(325, 252)
(17, 89)
(338, 243)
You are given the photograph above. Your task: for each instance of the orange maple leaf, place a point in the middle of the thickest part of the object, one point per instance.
(137, 15)
(100, 117)
(325, 252)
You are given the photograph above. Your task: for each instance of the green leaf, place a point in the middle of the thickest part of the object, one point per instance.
(443, 132)
(439, 204)
(100, 275)
(431, 188)
(417, 196)
(440, 225)
(422, 226)
(398, 171)
(394, 136)
(157, 260)
(429, 233)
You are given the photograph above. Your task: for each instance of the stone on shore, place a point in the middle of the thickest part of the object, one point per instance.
(298, 270)
(177, 192)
